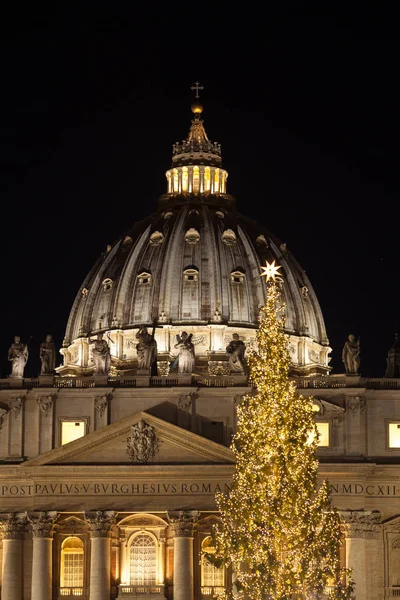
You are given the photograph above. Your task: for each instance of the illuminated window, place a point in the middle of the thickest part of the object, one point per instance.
(211, 576)
(156, 238)
(394, 435)
(72, 430)
(207, 180)
(196, 180)
(185, 179)
(107, 284)
(190, 275)
(71, 575)
(216, 180)
(237, 277)
(143, 560)
(175, 181)
(324, 434)
(192, 236)
(229, 237)
(144, 278)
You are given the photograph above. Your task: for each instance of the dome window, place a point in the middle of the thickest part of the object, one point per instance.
(168, 215)
(144, 278)
(229, 237)
(237, 277)
(219, 214)
(127, 243)
(261, 241)
(192, 236)
(85, 292)
(191, 274)
(156, 238)
(107, 284)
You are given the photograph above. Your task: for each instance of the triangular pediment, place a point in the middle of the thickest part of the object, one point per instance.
(109, 445)
(328, 408)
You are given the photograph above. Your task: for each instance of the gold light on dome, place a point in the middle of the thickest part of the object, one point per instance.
(271, 271)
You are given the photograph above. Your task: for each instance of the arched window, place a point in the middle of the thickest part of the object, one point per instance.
(143, 560)
(211, 576)
(72, 563)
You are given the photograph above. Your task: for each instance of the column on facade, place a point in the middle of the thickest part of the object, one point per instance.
(212, 181)
(100, 524)
(123, 567)
(360, 526)
(42, 559)
(183, 523)
(161, 562)
(201, 180)
(12, 527)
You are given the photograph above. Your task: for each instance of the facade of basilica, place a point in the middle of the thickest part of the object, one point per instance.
(109, 464)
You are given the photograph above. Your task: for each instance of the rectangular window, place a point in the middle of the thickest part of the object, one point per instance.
(323, 429)
(72, 429)
(394, 435)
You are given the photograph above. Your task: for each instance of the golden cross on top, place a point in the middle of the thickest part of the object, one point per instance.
(197, 87)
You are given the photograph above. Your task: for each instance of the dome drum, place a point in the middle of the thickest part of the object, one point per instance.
(210, 342)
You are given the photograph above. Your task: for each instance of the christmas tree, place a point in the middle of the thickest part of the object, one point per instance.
(278, 531)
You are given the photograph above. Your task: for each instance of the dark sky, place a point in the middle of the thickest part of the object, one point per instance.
(304, 100)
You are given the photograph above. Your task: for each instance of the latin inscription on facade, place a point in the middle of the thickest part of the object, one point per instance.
(155, 488)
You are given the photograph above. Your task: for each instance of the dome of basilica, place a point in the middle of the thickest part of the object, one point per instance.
(194, 266)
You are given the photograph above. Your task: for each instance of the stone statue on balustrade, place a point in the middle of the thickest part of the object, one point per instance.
(18, 355)
(185, 358)
(101, 355)
(146, 349)
(235, 351)
(351, 355)
(47, 354)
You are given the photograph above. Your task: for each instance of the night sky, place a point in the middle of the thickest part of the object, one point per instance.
(304, 103)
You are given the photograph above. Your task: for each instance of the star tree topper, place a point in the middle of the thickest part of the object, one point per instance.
(271, 271)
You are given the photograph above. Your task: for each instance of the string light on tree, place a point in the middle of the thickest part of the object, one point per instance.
(278, 530)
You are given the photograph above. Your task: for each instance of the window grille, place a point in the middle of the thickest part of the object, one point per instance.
(143, 560)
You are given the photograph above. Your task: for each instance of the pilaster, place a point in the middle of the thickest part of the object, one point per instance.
(361, 531)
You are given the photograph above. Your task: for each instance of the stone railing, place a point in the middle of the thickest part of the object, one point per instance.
(212, 591)
(141, 590)
(187, 379)
(73, 592)
(392, 592)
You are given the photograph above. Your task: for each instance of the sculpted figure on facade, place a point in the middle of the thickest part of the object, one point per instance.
(47, 355)
(45, 403)
(146, 349)
(143, 444)
(3, 412)
(101, 355)
(15, 405)
(351, 355)
(235, 351)
(185, 356)
(18, 355)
